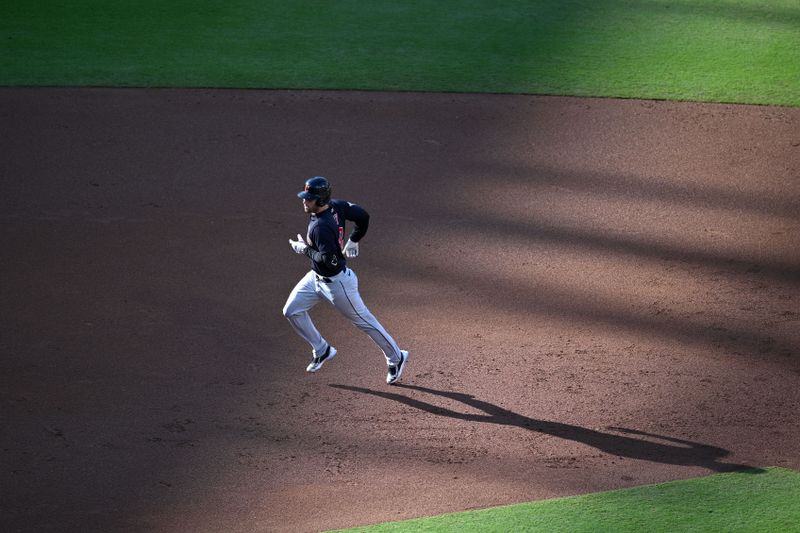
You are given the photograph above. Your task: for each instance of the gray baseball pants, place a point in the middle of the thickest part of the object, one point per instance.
(342, 291)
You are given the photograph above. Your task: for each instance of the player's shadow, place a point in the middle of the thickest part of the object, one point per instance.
(669, 450)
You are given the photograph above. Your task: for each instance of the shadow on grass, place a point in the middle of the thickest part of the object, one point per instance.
(669, 451)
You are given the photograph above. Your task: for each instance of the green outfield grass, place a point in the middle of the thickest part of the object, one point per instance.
(767, 502)
(743, 51)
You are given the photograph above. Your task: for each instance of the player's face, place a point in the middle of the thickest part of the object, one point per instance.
(310, 206)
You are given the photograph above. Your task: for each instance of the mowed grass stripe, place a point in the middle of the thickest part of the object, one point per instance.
(741, 51)
(753, 501)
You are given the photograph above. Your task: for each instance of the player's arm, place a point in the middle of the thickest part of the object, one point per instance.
(360, 219)
(327, 250)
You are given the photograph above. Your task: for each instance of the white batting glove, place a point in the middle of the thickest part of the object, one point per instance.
(299, 246)
(350, 249)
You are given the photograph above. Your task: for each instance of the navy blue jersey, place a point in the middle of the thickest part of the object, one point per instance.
(326, 235)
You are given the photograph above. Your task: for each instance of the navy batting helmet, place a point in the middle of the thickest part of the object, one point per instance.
(317, 188)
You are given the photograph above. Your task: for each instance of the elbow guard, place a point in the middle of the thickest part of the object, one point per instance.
(330, 260)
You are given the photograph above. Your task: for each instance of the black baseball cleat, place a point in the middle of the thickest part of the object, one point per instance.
(316, 362)
(396, 370)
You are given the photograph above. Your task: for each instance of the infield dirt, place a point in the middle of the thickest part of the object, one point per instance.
(596, 294)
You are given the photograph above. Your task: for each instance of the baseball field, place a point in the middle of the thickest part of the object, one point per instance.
(585, 228)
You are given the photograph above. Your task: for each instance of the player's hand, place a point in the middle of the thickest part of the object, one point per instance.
(299, 246)
(350, 249)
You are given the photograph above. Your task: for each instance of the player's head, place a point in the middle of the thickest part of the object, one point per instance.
(316, 188)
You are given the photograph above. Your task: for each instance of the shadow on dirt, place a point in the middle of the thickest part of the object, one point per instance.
(670, 451)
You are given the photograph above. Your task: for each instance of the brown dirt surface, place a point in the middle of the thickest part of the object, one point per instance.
(596, 294)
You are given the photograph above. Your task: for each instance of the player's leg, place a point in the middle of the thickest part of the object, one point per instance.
(302, 298)
(343, 293)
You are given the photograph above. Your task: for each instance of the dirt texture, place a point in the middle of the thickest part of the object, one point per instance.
(596, 294)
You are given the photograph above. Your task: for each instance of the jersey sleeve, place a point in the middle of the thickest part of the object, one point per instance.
(326, 241)
(324, 247)
(360, 219)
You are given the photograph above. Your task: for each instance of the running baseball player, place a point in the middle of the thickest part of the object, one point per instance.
(331, 279)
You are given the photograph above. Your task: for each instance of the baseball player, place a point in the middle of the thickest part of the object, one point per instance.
(331, 279)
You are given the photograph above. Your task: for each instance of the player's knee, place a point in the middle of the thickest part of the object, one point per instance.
(288, 311)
